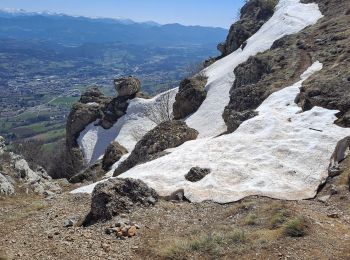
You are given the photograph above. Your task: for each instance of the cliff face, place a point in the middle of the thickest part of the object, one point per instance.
(328, 42)
(252, 16)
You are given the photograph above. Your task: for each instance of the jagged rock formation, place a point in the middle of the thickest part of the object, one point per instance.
(252, 16)
(114, 110)
(92, 173)
(169, 134)
(117, 196)
(196, 174)
(272, 70)
(95, 106)
(113, 154)
(190, 96)
(87, 110)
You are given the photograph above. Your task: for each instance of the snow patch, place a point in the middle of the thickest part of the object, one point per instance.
(276, 154)
(94, 139)
(290, 17)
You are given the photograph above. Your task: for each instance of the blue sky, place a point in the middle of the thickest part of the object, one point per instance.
(190, 12)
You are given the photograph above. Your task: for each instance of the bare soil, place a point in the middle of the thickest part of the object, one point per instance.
(255, 228)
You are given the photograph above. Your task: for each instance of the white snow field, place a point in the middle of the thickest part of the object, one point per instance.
(94, 139)
(282, 153)
(279, 154)
(290, 17)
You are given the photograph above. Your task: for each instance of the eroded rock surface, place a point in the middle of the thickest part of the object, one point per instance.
(113, 154)
(328, 42)
(117, 196)
(252, 16)
(191, 95)
(167, 135)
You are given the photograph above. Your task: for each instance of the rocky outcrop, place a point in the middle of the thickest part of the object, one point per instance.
(93, 173)
(262, 75)
(117, 196)
(196, 174)
(127, 86)
(94, 106)
(17, 176)
(169, 134)
(253, 15)
(328, 42)
(6, 185)
(39, 181)
(113, 154)
(191, 95)
(89, 108)
(114, 110)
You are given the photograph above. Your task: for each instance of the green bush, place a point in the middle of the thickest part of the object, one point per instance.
(295, 227)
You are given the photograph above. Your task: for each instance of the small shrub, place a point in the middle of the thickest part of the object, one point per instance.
(161, 111)
(295, 227)
(277, 219)
(251, 220)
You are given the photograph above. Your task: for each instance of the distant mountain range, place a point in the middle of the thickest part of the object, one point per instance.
(76, 30)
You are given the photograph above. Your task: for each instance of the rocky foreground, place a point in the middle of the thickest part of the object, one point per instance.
(32, 227)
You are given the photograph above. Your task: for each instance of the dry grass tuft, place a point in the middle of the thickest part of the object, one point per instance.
(211, 245)
(295, 227)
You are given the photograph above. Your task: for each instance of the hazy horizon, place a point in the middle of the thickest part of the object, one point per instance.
(187, 12)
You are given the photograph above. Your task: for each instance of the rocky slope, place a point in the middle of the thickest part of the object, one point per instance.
(262, 123)
(252, 16)
(274, 150)
(265, 73)
(17, 177)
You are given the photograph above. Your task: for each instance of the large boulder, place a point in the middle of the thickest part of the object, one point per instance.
(196, 174)
(190, 97)
(113, 154)
(169, 134)
(117, 196)
(253, 15)
(127, 86)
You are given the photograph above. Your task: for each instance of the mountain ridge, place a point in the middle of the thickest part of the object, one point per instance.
(77, 29)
